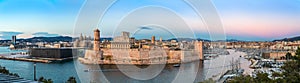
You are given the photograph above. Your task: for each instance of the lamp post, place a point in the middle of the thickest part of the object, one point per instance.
(34, 72)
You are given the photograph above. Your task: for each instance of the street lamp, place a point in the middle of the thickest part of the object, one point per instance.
(34, 71)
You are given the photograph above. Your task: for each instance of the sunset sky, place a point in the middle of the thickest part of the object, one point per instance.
(259, 20)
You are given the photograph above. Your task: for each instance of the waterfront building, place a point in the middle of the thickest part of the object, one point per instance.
(105, 45)
(82, 42)
(14, 40)
(81, 37)
(13, 43)
(51, 52)
(96, 54)
(126, 50)
(96, 40)
(291, 47)
(160, 39)
(132, 40)
(153, 39)
(13, 46)
(199, 49)
(121, 42)
(276, 55)
(172, 43)
(57, 45)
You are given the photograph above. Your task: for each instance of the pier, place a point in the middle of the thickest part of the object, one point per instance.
(32, 59)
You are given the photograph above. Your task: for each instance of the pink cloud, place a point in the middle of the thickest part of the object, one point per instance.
(265, 26)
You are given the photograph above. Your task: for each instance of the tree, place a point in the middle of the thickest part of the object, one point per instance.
(290, 74)
(291, 71)
(49, 81)
(42, 79)
(71, 80)
(262, 78)
(276, 74)
(3, 70)
(242, 79)
(210, 80)
(108, 57)
(288, 56)
(298, 51)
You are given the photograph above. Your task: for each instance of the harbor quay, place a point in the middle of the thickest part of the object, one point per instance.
(139, 57)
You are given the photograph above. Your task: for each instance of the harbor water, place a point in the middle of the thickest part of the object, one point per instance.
(59, 72)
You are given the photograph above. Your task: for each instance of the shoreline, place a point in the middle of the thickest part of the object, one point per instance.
(35, 59)
(168, 62)
(216, 73)
(26, 59)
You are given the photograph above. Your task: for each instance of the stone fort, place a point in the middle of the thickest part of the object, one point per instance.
(125, 50)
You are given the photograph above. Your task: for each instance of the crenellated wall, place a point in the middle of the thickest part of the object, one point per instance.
(139, 56)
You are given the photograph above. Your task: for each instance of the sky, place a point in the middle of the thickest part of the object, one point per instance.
(252, 20)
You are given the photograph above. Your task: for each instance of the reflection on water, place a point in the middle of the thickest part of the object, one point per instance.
(112, 74)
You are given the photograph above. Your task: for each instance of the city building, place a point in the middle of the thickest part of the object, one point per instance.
(83, 41)
(96, 54)
(126, 50)
(51, 52)
(14, 40)
(153, 39)
(199, 49)
(276, 55)
(96, 40)
(121, 42)
(160, 39)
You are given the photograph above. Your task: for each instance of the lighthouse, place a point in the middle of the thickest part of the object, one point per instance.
(96, 40)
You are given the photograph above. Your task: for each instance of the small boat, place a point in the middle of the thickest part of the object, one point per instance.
(176, 65)
(87, 70)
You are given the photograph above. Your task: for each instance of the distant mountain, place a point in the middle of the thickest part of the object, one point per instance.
(187, 39)
(181, 39)
(289, 39)
(199, 39)
(206, 40)
(47, 39)
(51, 39)
(108, 38)
(233, 40)
(70, 39)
